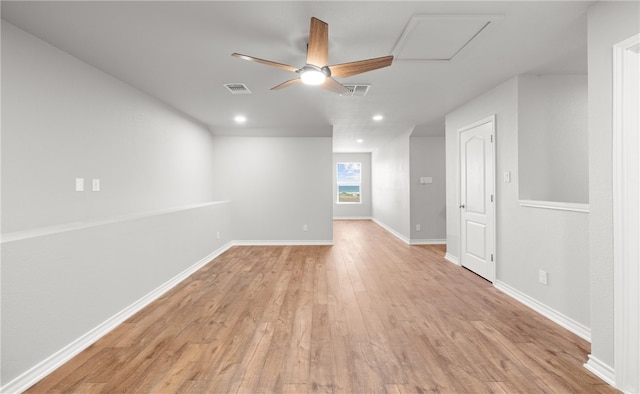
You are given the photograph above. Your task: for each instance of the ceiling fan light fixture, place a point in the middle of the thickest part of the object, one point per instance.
(312, 76)
(317, 71)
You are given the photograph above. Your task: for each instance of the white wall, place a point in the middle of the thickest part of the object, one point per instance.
(72, 260)
(428, 201)
(608, 24)
(391, 204)
(276, 186)
(67, 120)
(354, 211)
(528, 239)
(552, 138)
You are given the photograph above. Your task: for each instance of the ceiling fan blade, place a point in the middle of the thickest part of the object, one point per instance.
(318, 48)
(267, 62)
(334, 86)
(285, 84)
(362, 66)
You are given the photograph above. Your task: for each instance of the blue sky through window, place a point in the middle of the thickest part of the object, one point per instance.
(349, 173)
(348, 180)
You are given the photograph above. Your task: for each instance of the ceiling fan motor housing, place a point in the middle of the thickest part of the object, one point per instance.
(311, 67)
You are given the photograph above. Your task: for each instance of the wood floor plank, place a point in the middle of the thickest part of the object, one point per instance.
(89, 388)
(321, 366)
(369, 314)
(247, 375)
(366, 377)
(300, 344)
(272, 378)
(390, 369)
(192, 387)
(342, 360)
(294, 389)
(320, 285)
(174, 376)
(357, 328)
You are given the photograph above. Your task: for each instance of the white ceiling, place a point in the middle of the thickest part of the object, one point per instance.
(179, 52)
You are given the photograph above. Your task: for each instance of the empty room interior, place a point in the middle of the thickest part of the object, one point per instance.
(320, 196)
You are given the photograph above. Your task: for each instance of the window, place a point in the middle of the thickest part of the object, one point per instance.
(348, 182)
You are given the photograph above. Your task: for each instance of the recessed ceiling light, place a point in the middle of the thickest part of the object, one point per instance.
(360, 141)
(378, 118)
(240, 118)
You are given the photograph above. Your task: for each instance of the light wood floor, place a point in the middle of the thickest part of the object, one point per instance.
(367, 315)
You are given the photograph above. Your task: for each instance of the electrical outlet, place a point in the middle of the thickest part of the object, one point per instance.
(218, 235)
(95, 185)
(417, 227)
(305, 227)
(542, 277)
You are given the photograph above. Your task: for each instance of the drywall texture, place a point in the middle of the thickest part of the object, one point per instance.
(354, 211)
(608, 24)
(277, 185)
(390, 184)
(62, 119)
(428, 200)
(553, 152)
(528, 239)
(71, 260)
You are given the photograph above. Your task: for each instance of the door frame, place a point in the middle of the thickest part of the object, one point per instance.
(493, 231)
(626, 217)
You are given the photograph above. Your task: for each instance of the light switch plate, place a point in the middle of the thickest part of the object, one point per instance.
(79, 184)
(426, 179)
(95, 185)
(542, 277)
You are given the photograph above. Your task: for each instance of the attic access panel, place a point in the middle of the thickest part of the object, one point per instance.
(433, 38)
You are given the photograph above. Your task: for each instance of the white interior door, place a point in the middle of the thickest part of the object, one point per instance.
(477, 224)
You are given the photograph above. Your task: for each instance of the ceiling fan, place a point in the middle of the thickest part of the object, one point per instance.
(317, 71)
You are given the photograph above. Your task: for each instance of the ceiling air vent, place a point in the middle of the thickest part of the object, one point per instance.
(357, 90)
(237, 88)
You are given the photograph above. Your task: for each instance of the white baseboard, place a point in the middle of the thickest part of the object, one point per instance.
(392, 231)
(575, 327)
(283, 243)
(45, 367)
(352, 218)
(601, 370)
(451, 258)
(428, 242)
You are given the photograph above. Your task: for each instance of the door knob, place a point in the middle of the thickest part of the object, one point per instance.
(461, 206)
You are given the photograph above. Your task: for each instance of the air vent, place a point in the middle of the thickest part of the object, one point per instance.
(237, 88)
(357, 90)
